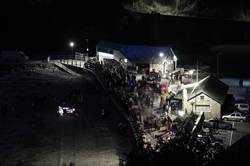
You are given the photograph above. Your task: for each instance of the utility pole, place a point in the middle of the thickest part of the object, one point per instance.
(218, 64)
(197, 70)
(177, 4)
(72, 44)
(197, 79)
(87, 46)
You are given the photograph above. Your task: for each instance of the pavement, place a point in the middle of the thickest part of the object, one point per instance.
(89, 140)
(238, 152)
(41, 138)
(231, 137)
(242, 129)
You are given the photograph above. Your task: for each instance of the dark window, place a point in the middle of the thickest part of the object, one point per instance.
(238, 115)
(244, 106)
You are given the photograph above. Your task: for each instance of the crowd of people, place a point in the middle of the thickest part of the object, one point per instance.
(147, 104)
(149, 108)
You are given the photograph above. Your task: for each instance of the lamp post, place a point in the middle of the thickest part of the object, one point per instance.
(197, 70)
(191, 72)
(161, 54)
(175, 62)
(218, 63)
(174, 59)
(163, 65)
(87, 45)
(72, 44)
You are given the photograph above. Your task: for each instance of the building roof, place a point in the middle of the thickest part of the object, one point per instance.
(109, 45)
(212, 87)
(135, 53)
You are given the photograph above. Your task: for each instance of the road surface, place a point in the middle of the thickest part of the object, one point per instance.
(35, 135)
(90, 140)
(230, 137)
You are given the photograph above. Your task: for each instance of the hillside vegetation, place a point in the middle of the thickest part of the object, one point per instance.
(195, 8)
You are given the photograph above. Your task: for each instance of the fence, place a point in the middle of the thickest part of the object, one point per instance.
(115, 99)
(72, 62)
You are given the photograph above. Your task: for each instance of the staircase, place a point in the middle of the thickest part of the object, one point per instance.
(63, 67)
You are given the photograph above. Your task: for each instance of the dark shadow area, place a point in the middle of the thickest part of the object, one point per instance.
(237, 154)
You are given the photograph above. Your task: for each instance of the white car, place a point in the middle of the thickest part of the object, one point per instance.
(235, 116)
(244, 107)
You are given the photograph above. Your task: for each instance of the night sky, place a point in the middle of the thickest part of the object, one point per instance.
(49, 24)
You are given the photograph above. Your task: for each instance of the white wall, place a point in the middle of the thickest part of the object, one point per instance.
(168, 66)
(118, 56)
(103, 55)
(215, 107)
(156, 67)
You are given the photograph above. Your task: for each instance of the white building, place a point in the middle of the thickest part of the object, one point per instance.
(111, 51)
(206, 96)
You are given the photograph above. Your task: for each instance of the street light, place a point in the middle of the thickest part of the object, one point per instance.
(175, 58)
(161, 54)
(175, 61)
(87, 45)
(181, 113)
(72, 44)
(218, 63)
(191, 72)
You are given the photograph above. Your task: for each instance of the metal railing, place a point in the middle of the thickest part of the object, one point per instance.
(72, 62)
(131, 120)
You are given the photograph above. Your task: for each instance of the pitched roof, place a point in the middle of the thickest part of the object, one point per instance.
(212, 87)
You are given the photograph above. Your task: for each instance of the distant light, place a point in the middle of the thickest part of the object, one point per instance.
(191, 72)
(161, 54)
(126, 60)
(175, 58)
(104, 55)
(181, 113)
(164, 61)
(87, 49)
(71, 44)
(60, 110)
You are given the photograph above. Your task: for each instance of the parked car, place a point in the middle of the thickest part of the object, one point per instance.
(243, 107)
(235, 116)
(217, 124)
